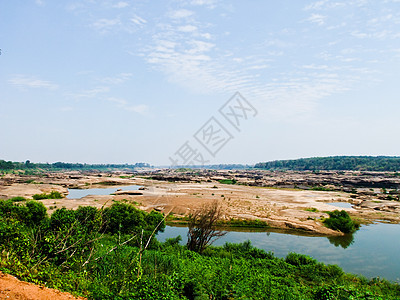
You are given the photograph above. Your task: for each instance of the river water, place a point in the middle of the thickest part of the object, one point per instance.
(373, 251)
(79, 193)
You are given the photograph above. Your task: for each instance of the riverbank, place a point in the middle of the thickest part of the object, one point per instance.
(284, 208)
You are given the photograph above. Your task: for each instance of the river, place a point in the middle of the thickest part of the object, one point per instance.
(79, 193)
(373, 251)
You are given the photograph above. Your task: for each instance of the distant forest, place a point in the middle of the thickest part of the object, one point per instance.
(9, 165)
(342, 163)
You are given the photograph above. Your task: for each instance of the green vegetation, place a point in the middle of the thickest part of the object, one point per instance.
(341, 221)
(52, 195)
(227, 181)
(32, 168)
(322, 188)
(222, 224)
(183, 170)
(112, 254)
(172, 220)
(17, 199)
(311, 209)
(354, 163)
(243, 223)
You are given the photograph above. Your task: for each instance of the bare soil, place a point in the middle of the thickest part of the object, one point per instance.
(12, 288)
(285, 208)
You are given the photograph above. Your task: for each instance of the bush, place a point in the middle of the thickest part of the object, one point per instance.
(62, 218)
(33, 213)
(341, 221)
(227, 181)
(126, 219)
(299, 259)
(36, 213)
(89, 217)
(246, 250)
(52, 195)
(17, 199)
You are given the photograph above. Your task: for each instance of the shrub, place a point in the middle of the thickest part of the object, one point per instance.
(153, 219)
(17, 199)
(62, 218)
(246, 250)
(341, 221)
(123, 218)
(299, 259)
(32, 213)
(227, 181)
(52, 195)
(89, 217)
(36, 213)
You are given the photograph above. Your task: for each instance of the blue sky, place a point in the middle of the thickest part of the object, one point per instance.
(103, 81)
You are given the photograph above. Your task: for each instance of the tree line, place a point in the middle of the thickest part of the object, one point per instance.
(9, 165)
(341, 163)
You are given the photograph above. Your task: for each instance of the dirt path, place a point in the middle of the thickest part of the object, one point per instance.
(12, 288)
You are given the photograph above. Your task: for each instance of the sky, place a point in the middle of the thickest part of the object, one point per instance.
(198, 81)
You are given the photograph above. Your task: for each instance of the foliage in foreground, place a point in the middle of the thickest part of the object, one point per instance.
(108, 254)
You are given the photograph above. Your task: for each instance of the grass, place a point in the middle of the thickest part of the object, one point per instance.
(244, 223)
(51, 195)
(107, 183)
(227, 181)
(311, 209)
(234, 223)
(18, 199)
(322, 188)
(71, 251)
(126, 176)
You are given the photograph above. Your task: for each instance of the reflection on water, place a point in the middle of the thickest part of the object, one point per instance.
(342, 241)
(372, 251)
(79, 193)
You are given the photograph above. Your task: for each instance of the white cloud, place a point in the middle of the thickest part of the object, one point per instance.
(105, 25)
(316, 5)
(258, 67)
(140, 109)
(358, 34)
(123, 104)
(205, 35)
(117, 79)
(121, 4)
(138, 20)
(24, 81)
(199, 46)
(91, 93)
(180, 13)
(39, 2)
(187, 28)
(209, 3)
(326, 4)
(317, 18)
